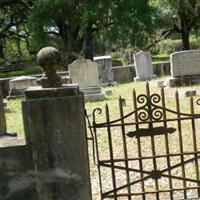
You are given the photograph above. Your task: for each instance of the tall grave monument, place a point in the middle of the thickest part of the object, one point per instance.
(143, 66)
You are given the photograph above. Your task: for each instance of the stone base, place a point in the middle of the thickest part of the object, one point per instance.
(107, 84)
(183, 81)
(145, 78)
(94, 97)
(93, 93)
(39, 92)
(14, 92)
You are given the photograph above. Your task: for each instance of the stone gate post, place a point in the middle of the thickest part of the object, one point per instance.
(55, 128)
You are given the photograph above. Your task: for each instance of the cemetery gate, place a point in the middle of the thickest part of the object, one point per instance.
(152, 152)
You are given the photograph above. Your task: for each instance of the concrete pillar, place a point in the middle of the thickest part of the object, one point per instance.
(55, 128)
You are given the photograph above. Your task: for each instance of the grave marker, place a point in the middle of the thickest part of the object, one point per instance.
(85, 73)
(143, 66)
(185, 68)
(105, 69)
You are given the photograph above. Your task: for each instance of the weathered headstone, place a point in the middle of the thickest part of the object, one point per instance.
(19, 84)
(185, 68)
(143, 66)
(105, 69)
(84, 72)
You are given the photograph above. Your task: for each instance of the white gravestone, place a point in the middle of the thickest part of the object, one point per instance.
(185, 68)
(143, 66)
(185, 63)
(84, 72)
(104, 69)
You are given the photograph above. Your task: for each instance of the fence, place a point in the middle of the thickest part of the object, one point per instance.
(152, 152)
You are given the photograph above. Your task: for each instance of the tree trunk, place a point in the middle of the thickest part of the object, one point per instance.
(184, 25)
(88, 49)
(185, 39)
(2, 55)
(18, 43)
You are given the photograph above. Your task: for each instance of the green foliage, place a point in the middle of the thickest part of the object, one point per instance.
(121, 22)
(117, 62)
(168, 46)
(160, 58)
(79, 26)
(134, 24)
(182, 17)
(11, 51)
(25, 71)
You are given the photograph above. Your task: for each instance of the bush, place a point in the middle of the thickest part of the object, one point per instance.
(160, 58)
(168, 46)
(117, 62)
(25, 71)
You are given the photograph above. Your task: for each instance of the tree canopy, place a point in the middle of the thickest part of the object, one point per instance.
(80, 27)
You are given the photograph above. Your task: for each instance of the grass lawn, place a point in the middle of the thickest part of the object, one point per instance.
(14, 123)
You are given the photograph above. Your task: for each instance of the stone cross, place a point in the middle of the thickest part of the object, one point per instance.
(48, 58)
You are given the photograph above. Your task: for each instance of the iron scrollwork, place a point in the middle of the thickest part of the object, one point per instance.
(95, 112)
(149, 109)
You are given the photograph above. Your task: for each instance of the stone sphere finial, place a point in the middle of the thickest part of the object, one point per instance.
(49, 58)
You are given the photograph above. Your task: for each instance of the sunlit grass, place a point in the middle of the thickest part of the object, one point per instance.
(14, 117)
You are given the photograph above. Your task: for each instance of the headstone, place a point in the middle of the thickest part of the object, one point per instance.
(105, 69)
(19, 84)
(185, 63)
(143, 66)
(85, 73)
(185, 68)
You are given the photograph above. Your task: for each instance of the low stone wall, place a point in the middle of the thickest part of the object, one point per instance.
(122, 74)
(125, 74)
(16, 167)
(162, 69)
(4, 82)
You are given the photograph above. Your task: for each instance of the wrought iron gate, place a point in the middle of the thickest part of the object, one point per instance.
(150, 153)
